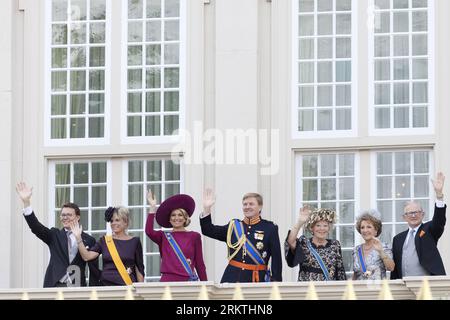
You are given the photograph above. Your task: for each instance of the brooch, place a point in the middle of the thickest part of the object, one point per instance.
(259, 245)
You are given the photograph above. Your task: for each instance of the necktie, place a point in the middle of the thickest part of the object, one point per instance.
(410, 243)
(71, 249)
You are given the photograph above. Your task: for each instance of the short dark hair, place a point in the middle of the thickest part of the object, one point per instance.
(73, 206)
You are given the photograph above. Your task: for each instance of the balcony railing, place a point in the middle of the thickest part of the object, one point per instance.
(409, 288)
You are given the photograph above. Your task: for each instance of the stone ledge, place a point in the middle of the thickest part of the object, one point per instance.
(405, 289)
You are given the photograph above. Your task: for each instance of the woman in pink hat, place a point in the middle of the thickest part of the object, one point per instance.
(180, 249)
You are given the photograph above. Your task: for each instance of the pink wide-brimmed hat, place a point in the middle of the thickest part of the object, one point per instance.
(179, 201)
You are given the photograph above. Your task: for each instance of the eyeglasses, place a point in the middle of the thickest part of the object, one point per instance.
(66, 215)
(412, 213)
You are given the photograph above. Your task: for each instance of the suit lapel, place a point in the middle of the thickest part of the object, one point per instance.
(401, 243)
(62, 237)
(417, 241)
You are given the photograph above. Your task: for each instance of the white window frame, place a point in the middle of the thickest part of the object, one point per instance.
(299, 189)
(431, 82)
(373, 181)
(294, 79)
(125, 200)
(162, 139)
(48, 141)
(51, 182)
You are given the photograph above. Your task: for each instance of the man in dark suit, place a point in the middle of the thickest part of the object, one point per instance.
(251, 242)
(415, 250)
(66, 267)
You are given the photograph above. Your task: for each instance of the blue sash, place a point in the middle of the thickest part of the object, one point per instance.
(361, 260)
(250, 248)
(177, 250)
(319, 260)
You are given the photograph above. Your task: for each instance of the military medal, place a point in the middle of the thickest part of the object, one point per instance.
(259, 245)
(259, 235)
(264, 254)
(367, 273)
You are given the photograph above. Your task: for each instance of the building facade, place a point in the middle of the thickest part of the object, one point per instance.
(331, 103)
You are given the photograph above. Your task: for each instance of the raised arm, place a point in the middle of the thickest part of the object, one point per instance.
(156, 236)
(208, 228)
(303, 216)
(42, 232)
(85, 254)
(438, 221)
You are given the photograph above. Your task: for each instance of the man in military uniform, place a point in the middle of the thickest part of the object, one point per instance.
(251, 242)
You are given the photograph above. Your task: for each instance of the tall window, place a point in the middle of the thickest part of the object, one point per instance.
(154, 76)
(86, 184)
(163, 177)
(329, 181)
(400, 177)
(77, 69)
(401, 66)
(322, 92)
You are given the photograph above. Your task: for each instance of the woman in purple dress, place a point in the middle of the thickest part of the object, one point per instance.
(129, 250)
(180, 249)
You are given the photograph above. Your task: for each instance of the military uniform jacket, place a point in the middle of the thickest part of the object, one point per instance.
(264, 237)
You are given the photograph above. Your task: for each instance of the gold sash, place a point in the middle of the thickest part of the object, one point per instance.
(117, 261)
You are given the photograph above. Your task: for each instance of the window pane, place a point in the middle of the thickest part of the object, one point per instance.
(96, 103)
(152, 125)
(153, 8)
(81, 173)
(420, 92)
(154, 54)
(77, 104)
(172, 8)
(384, 187)
(309, 166)
(343, 24)
(346, 164)
(346, 212)
(384, 163)
(135, 9)
(401, 93)
(171, 78)
(343, 48)
(99, 172)
(421, 164)
(154, 171)
(401, 45)
(401, 117)
(382, 118)
(97, 56)
(172, 171)
(343, 119)
(81, 196)
(324, 72)
(402, 162)
(306, 49)
(306, 25)
(153, 31)
(401, 69)
(328, 189)
(325, 96)
(306, 97)
(385, 209)
(134, 126)
(324, 48)
(172, 30)
(343, 95)
(325, 24)
(59, 58)
(99, 196)
(153, 78)
(324, 119)
(134, 102)
(58, 105)
(421, 186)
(96, 127)
(309, 190)
(62, 173)
(346, 189)
(306, 120)
(135, 195)
(135, 171)
(171, 124)
(402, 187)
(58, 128)
(77, 127)
(153, 102)
(171, 101)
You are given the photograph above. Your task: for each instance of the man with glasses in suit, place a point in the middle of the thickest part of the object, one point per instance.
(66, 267)
(415, 250)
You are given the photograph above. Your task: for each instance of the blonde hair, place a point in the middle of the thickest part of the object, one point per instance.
(257, 196)
(185, 215)
(123, 214)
